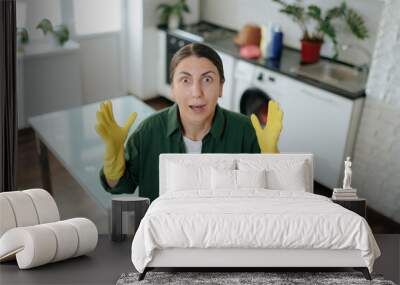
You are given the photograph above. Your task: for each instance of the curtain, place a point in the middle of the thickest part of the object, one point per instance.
(8, 101)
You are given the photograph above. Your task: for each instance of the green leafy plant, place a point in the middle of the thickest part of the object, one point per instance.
(60, 32)
(324, 21)
(22, 39)
(22, 35)
(178, 9)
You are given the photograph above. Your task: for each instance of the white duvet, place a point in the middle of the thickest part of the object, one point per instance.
(253, 218)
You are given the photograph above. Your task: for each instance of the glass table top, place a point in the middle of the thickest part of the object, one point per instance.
(71, 136)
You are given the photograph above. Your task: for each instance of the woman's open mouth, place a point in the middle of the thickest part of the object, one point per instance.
(198, 107)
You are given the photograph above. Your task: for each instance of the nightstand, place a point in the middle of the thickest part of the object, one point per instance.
(127, 212)
(358, 206)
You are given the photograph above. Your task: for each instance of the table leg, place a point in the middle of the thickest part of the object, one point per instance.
(116, 223)
(44, 164)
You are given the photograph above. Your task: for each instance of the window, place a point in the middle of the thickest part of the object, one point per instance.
(97, 16)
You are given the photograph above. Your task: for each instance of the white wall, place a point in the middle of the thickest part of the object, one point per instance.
(377, 158)
(100, 55)
(377, 152)
(142, 44)
(104, 16)
(101, 67)
(236, 13)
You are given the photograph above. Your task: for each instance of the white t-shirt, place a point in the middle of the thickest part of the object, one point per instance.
(192, 146)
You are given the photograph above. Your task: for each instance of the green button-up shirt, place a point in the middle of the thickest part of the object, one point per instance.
(162, 133)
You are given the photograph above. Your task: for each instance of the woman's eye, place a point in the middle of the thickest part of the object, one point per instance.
(207, 79)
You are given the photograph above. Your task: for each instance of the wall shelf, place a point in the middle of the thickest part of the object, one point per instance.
(43, 49)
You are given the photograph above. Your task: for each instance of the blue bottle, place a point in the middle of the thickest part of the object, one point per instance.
(276, 45)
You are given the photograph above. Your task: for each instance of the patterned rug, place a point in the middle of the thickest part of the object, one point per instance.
(270, 278)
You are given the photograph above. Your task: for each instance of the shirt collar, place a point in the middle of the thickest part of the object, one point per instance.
(174, 123)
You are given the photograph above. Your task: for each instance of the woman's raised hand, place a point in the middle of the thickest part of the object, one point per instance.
(114, 138)
(268, 137)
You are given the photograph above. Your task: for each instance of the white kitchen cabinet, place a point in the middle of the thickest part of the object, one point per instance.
(321, 123)
(315, 121)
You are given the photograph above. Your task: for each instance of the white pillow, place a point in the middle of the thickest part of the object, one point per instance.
(287, 179)
(188, 176)
(223, 179)
(251, 178)
(237, 179)
(281, 174)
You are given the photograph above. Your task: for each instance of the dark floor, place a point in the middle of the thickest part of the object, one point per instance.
(102, 266)
(110, 259)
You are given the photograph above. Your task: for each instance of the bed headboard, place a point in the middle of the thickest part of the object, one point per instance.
(214, 157)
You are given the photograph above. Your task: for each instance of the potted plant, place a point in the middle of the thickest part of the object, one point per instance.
(315, 25)
(172, 15)
(60, 33)
(22, 38)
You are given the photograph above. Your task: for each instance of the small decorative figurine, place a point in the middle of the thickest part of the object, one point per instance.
(347, 174)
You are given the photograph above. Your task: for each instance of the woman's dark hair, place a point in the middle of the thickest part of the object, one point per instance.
(198, 50)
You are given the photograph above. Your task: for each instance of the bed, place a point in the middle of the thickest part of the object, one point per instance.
(246, 211)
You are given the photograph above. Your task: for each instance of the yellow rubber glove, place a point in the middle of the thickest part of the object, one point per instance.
(268, 137)
(114, 138)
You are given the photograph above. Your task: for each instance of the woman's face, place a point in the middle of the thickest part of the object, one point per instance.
(196, 86)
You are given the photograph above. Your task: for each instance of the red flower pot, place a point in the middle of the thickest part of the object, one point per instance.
(310, 51)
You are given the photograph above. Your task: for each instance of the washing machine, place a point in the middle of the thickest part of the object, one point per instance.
(314, 120)
(254, 87)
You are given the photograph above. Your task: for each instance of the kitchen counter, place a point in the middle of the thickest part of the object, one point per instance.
(289, 65)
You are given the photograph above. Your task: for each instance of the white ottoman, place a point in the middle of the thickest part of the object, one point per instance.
(31, 231)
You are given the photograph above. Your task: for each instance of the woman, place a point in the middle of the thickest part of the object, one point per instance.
(195, 124)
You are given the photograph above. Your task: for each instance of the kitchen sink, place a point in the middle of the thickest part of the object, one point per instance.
(339, 75)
